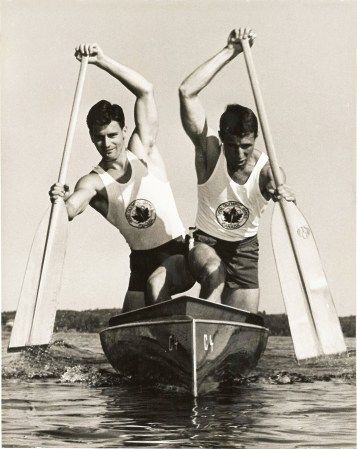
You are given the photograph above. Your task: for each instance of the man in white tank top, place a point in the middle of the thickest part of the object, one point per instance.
(235, 183)
(129, 187)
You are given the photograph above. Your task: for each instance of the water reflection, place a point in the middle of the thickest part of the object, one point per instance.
(144, 415)
(285, 406)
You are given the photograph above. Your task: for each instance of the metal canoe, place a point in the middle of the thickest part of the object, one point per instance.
(189, 352)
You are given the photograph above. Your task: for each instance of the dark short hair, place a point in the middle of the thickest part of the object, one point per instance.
(241, 120)
(103, 112)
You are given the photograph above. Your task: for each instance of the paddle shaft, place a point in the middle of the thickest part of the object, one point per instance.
(261, 113)
(52, 225)
(278, 179)
(73, 121)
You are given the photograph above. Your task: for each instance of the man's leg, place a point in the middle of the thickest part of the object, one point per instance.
(246, 299)
(208, 269)
(133, 300)
(171, 277)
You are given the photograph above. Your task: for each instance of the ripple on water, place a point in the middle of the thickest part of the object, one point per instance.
(68, 396)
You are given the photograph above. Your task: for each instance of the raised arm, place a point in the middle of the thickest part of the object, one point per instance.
(193, 116)
(145, 112)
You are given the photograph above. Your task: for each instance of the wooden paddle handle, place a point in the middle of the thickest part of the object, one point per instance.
(261, 113)
(72, 121)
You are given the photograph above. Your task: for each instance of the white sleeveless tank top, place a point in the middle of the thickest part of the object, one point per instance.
(143, 209)
(228, 210)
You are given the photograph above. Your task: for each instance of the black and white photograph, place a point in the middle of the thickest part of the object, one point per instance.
(178, 224)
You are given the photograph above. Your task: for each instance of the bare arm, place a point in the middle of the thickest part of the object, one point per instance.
(145, 112)
(193, 115)
(76, 202)
(268, 188)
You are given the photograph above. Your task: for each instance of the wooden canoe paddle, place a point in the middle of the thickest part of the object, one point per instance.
(36, 311)
(313, 320)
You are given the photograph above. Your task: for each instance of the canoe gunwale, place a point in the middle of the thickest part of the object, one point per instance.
(172, 307)
(185, 320)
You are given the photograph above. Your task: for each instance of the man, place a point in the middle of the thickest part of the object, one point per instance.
(130, 189)
(235, 184)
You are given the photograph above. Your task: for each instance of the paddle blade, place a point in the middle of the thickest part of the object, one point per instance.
(302, 328)
(322, 307)
(313, 320)
(37, 305)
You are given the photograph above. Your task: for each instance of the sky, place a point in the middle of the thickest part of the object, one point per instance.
(304, 55)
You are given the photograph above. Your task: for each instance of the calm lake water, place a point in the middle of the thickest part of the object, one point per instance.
(68, 396)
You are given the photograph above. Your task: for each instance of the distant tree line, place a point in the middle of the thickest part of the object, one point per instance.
(84, 321)
(96, 320)
(348, 324)
(81, 321)
(279, 325)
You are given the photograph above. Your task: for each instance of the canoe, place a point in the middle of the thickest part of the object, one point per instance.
(187, 343)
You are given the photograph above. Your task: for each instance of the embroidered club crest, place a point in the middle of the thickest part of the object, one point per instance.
(232, 214)
(140, 214)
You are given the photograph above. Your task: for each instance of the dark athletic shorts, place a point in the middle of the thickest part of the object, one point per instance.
(144, 262)
(240, 259)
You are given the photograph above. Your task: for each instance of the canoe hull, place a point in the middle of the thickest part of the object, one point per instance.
(186, 352)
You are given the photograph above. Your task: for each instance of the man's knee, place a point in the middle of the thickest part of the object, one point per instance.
(158, 286)
(157, 279)
(212, 271)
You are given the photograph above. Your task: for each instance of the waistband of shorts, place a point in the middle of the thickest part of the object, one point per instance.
(162, 247)
(237, 243)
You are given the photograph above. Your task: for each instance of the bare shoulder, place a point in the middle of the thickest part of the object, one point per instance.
(257, 153)
(90, 182)
(264, 176)
(85, 191)
(149, 156)
(91, 188)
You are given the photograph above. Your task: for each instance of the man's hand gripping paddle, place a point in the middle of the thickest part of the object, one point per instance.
(314, 324)
(36, 311)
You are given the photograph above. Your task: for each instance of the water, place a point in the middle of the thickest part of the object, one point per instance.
(68, 396)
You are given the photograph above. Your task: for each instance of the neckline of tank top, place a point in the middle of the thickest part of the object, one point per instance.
(112, 179)
(250, 175)
(131, 158)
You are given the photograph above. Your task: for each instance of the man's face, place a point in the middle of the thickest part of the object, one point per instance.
(238, 148)
(109, 140)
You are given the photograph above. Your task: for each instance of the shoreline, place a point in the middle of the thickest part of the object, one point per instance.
(94, 320)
